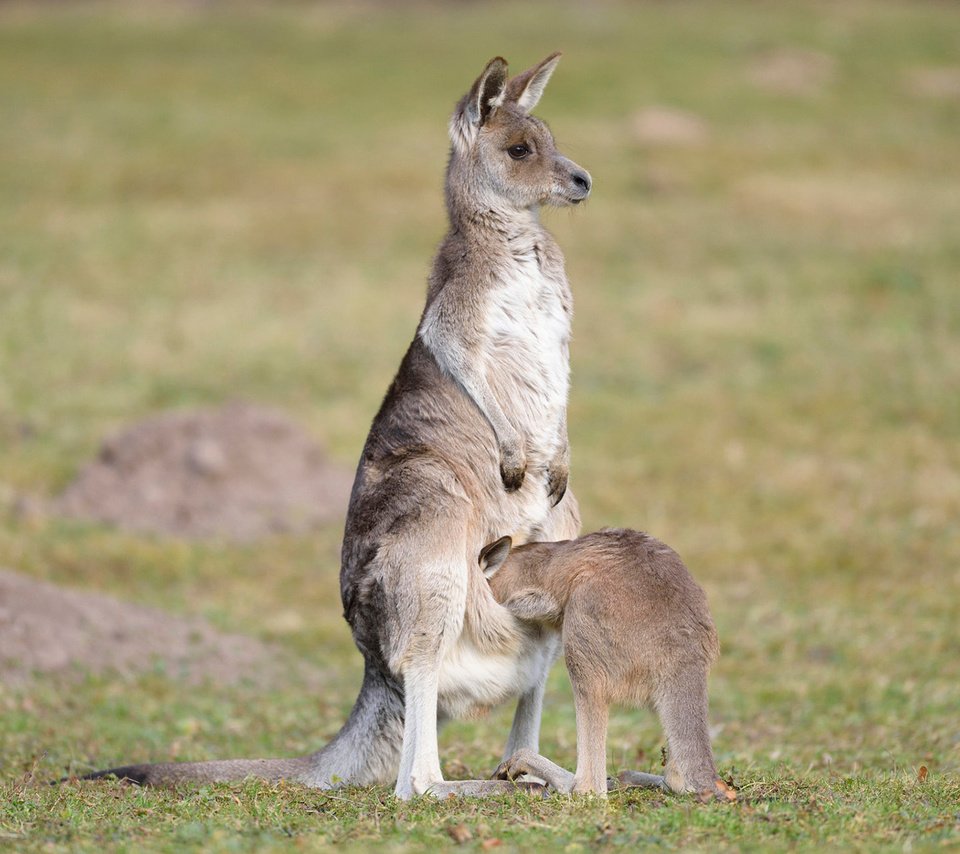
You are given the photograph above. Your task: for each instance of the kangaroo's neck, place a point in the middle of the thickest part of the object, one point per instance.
(494, 228)
(475, 211)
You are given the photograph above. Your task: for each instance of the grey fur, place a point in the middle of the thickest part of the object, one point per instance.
(470, 440)
(636, 629)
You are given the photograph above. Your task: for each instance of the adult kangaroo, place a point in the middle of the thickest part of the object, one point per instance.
(469, 443)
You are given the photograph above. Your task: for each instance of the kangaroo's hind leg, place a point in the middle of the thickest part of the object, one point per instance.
(681, 702)
(429, 584)
(562, 523)
(424, 576)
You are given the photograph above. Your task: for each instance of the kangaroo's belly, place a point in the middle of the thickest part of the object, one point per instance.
(471, 681)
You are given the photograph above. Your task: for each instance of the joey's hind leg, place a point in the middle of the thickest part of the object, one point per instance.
(681, 702)
(592, 714)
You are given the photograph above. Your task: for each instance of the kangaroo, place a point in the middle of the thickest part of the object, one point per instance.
(636, 629)
(470, 441)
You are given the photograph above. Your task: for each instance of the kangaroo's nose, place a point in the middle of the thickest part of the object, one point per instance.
(582, 180)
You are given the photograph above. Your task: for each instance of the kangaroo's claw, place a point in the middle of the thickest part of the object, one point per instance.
(557, 484)
(512, 477)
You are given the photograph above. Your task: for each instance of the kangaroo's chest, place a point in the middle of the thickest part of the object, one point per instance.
(528, 314)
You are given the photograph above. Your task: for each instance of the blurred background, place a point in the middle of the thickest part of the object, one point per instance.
(209, 202)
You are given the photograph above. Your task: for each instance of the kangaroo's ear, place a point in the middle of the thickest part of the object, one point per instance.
(486, 94)
(525, 89)
(493, 555)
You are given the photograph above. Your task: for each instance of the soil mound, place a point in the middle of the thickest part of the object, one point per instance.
(657, 125)
(793, 71)
(238, 472)
(48, 629)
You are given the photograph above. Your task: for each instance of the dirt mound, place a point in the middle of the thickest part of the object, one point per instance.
(942, 82)
(238, 472)
(47, 629)
(657, 125)
(793, 71)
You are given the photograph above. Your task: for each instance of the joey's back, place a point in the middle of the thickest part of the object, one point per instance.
(624, 595)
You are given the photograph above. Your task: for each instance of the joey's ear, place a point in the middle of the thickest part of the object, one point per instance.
(486, 94)
(525, 89)
(493, 555)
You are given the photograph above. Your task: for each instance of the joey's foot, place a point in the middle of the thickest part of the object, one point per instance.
(516, 766)
(513, 467)
(719, 791)
(528, 762)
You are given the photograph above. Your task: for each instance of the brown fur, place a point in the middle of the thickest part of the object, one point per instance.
(636, 630)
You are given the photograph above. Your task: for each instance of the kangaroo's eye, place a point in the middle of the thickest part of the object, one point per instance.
(518, 152)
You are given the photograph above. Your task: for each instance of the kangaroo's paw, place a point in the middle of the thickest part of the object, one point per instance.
(527, 762)
(513, 466)
(483, 788)
(557, 477)
(639, 779)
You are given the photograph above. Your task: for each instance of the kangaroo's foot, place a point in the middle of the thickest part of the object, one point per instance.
(533, 764)
(483, 788)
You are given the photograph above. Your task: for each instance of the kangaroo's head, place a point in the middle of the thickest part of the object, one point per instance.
(502, 157)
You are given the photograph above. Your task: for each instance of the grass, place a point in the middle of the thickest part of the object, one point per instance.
(199, 203)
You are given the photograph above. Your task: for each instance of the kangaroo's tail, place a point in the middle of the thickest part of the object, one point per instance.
(364, 752)
(166, 773)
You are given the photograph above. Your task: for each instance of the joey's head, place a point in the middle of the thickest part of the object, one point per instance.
(517, 580)
(504, 159)
(503, 570)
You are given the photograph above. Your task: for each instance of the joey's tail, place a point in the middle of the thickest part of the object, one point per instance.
(365, 751)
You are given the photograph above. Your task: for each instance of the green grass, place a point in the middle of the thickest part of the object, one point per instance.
(199, 203)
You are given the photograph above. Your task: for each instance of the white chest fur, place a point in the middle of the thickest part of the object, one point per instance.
(527, 325)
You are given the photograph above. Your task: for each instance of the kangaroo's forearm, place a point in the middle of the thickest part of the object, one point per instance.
(467, 368)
